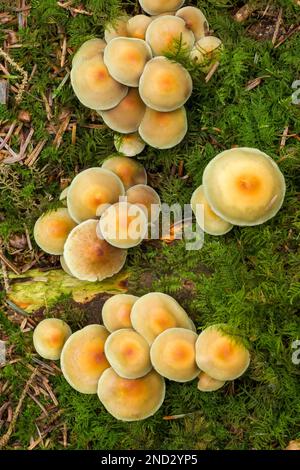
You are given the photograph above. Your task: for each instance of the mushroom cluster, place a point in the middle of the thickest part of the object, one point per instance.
(241, 186)
(139, 93)
(143, 341)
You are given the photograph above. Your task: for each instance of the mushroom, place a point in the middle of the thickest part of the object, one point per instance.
(207, 51)
(147, 199)
(128, 354)
(123, 225)
(92, 189)
(83, 360)
(221, 355)
(49, 338)
(89, 258)
(138, 25)
(210, 223)
(116, 312)
(156, 7)
(174, 126)
(63, 196)
(126, 58)
(244, 186)
(129, 145)
(165, 85)
(156, 312)
(173, 354)
(194, 20)
(116, 29)
(128, 170)
(127, 116)
(64, 265)
(52, 229)
(131, 399)
(208, 384)
(166, 33)
(88, 50)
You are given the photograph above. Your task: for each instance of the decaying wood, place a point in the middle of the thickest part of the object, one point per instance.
(246, 11)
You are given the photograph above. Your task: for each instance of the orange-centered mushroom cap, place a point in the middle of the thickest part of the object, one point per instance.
(49, 338)
(167, 34)
(52, 229)
(130, 171)
(116, 311)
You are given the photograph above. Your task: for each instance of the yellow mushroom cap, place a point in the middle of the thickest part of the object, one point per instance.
(128, 170)
(208, 384)
(126, 58)
(127, 116)
(156, 7)
(49, 338)
(174, 125)
(64, 265)
(244, 186)
(89, 258)
(156, 312)
(211, 223)
(128, 354)
(173, 354)
(83, 360)
(88, 50)
(194, 20)
(52, 229)
(220, 355)
(138, 25)
(116, 312)
(91, 189)
(129, 145)
(166, 33)
(116, 29)
(147, 198)
(207, 51)
(123, 225)
(63, 196)
(131, 399)
(165, 85)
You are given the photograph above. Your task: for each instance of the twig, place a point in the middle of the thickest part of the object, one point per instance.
(20, 69)
(9, 264)
(246, 11)
(212, 71)
(61, 131)
(284, 137)
(278, 22)
(293, 31)
(5, 277)
(63, 52)
(8, 135)
(33, 156)
(28, 238)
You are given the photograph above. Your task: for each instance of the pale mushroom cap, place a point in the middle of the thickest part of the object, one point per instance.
(64, 265)
(116, 29)
(211, 223)
(91, 189)
(52, 229)
(128, 354)
(129, 145)
(63, 196)
(165, 33)
(165, 85)
(93, 85)
(156, 312)
(174, 125)
(208, 384)
(130, 171)
(131, 399)
(116, 312)
(156, 7)
(138, 25)
(147, 198)
(195, 20)
(173, 354)
(83, 360)
(207, 48)
(127, 116)
(244, 186)
(89, 258)
(123, 225)
(126, 58)
(88, 50)
(49, 338)
(220, 355)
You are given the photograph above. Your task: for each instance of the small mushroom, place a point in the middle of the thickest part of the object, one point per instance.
(147, 199)
(131, 399)
(208, 384)
(129, 145)
(92, 189)
(116, 29)
(116, 312)
(127, 116)
(123, 225)
(64, 265)
(174, 125)
(126, 58)
(49, 338)
(52, 229)
(156, 7)
(194, 20)
(156, 312)
(167, 33)
(244, 186)
(138, 25)
(88, 50)
(63, 196)
(128, 170)
(128, 353)
(221, 355)
(207, 51)
(211, 223)
(83, 360)
(165, 85)
(89, 258)
(173, 354)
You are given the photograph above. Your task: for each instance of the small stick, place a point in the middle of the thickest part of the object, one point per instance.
(32, 158)
(8, 135)
(9, 264)
(5, 277)
(284, 137)
(212, 71)
(74, 129)
(294, 30)
(278, 22)
(63, 52)
(28, 238)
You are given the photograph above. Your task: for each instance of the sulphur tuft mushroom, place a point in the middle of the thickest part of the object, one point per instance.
(206, 52)
(116, 29)
(49, 338)
(116, 312)
(156, 7)
(244, 186)
(194, 20)
(167, 33)
(129, 145)
(88, 50)
(131, 399)
(138, 25)
(64, 265)
(52, 229)
(128, 170)
(147, 198)
(63, 196)
(208, 384)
